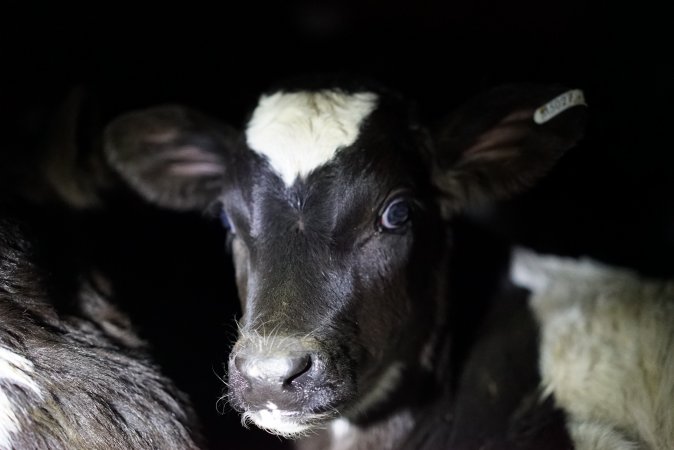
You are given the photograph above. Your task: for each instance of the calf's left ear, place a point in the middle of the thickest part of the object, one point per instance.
(504, 140)
(173, 156)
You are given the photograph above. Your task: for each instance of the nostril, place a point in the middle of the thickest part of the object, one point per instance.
(300, 366)
(281, 370)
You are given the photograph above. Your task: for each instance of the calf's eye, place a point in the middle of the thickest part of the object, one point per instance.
(396, 215)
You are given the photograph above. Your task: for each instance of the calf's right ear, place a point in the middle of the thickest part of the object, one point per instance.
(502, 141)
(173, 156)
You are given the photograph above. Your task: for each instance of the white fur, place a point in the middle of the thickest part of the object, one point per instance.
(275, 421)
(15, 371)
(340, 429)
(595, 436)
(282, 423)
(607, 349)
(301, 131)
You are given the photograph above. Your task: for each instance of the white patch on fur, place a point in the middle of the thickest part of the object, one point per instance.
(343, 434)
(301, 131)
(282, 423)
(606, 349)
(340, 428)
(14, 371)
(388, 382)
(276, 422)
(594, 436)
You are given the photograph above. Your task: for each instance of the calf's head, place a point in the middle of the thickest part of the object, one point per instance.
(334, 200)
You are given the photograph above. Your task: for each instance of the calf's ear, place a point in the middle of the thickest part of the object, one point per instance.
(503, 140)
(173, 156)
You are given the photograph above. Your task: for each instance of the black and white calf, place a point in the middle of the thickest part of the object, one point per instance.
(337, 202)
(73, 374)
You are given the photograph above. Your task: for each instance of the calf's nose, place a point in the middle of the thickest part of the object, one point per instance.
(273, 370)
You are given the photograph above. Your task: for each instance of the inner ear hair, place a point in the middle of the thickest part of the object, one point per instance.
(173, 156)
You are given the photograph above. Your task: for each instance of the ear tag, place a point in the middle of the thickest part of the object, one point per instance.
(558, 105)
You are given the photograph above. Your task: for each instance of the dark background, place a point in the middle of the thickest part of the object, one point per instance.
(608, 198)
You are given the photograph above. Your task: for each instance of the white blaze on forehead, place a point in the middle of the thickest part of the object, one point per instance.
(301, 131)
(14, 371)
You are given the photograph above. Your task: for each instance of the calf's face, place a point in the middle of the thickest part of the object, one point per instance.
(328, 254)
(334, 200)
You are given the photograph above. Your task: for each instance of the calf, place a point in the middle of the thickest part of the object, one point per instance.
(73, 374)
(337, 200)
